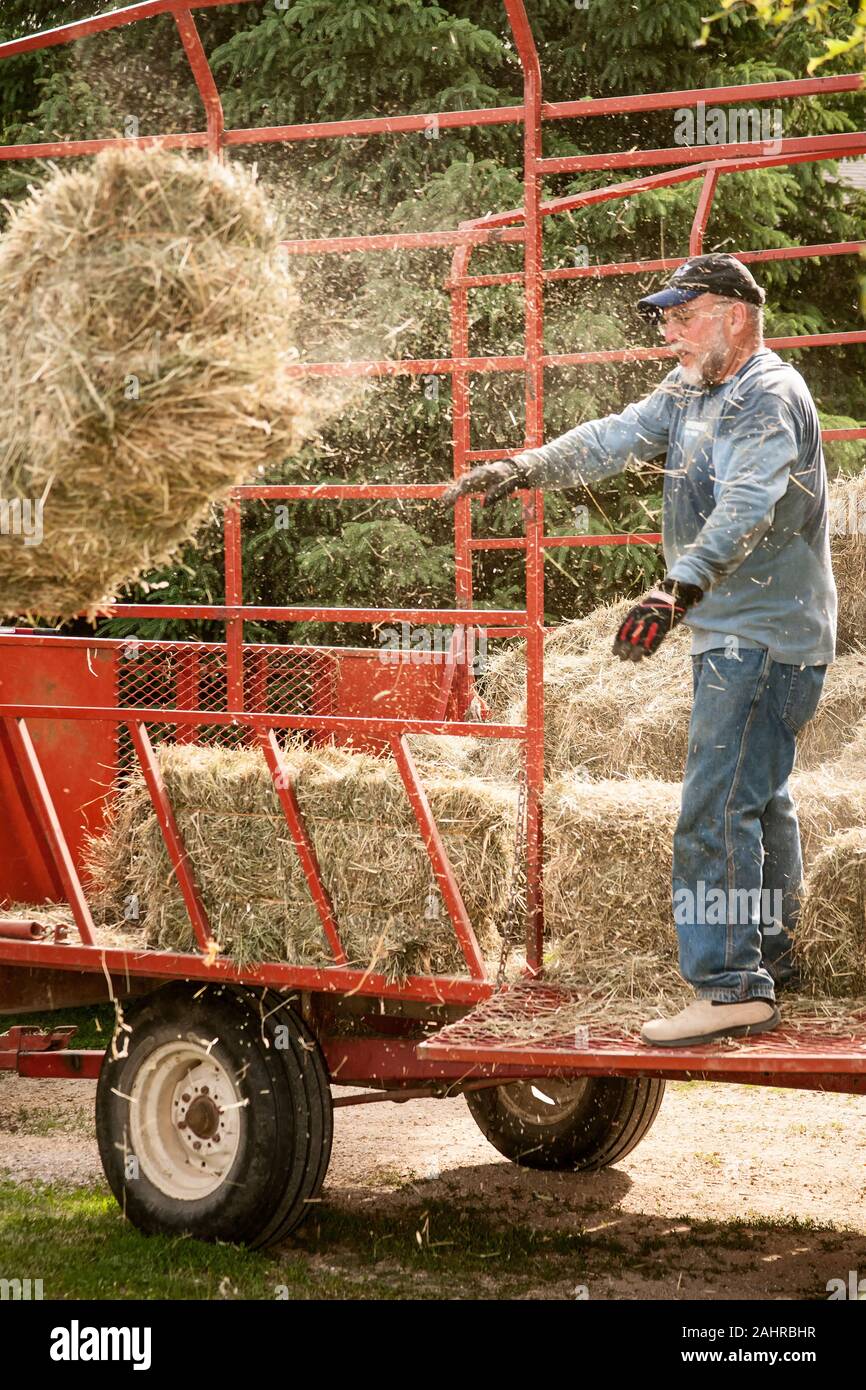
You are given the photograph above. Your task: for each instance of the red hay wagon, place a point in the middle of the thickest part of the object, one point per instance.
(214, 1108)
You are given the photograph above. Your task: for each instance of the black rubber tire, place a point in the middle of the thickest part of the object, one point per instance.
(284, 1116)
(302, 1059)
(602, 1121)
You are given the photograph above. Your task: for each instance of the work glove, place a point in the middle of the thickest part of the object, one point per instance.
(495, 480)
(647, 624)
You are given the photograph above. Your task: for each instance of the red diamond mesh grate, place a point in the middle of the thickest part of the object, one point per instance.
(175, 675)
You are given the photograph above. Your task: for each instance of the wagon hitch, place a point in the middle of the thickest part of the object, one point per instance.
(31, 1051)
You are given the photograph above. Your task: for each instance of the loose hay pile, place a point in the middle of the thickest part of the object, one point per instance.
(145, 324)
(373, 862)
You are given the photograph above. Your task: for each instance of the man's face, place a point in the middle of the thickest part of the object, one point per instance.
(700, 334)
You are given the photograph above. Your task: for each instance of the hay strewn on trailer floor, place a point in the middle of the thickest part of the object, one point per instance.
(60, 914)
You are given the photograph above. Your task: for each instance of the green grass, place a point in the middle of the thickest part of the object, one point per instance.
(94, 1022)
(77, 1242)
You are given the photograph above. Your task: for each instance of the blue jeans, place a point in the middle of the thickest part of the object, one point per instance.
(737, 866)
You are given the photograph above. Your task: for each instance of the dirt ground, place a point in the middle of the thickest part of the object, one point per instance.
(736, 1192)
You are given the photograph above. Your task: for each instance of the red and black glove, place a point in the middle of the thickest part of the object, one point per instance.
(649, 622)
(495, 480)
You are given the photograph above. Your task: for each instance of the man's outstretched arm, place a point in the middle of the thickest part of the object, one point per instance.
(591, 451)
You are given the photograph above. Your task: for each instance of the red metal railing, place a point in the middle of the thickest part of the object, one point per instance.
(520, 226)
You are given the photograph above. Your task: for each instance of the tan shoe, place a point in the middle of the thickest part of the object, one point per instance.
(703, 1022)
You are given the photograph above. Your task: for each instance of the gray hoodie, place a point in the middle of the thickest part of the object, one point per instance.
(744, 501)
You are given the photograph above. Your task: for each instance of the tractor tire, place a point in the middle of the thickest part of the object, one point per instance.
(567, 1126)
(213, 1116)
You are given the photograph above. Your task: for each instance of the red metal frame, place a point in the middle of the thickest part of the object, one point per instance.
(521, 226)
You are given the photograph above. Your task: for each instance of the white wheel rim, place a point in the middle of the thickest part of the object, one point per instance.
(543, 1102)
(185, 1118)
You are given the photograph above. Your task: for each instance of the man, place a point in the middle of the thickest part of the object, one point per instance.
(746, 544)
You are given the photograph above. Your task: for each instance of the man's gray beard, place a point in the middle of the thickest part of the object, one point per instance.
(710, 370)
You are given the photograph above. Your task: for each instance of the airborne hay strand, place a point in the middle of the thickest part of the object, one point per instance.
(374, 865)
(145, 325)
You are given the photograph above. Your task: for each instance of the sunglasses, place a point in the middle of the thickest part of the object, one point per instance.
(683, 317)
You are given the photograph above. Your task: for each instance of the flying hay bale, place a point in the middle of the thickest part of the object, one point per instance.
(831, 940)
(145, 324)
(373, 862)
(847, 501)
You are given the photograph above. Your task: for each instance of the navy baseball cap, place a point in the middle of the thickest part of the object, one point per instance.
(717, 273)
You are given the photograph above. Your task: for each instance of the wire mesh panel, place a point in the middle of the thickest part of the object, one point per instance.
(290, 680)
(187, 675)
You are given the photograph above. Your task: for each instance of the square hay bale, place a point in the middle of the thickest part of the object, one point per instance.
(618, 719)
(145, 330)
(607, 888)
(831, 938)
(841, 709)
(829, 802)
(365, 836)
(609, 717)
(847, 501)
